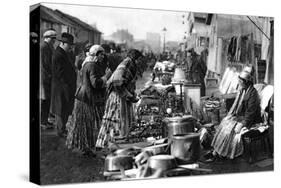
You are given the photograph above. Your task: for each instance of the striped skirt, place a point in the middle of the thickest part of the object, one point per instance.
(226, 142)
(83, 126)
(118, 116)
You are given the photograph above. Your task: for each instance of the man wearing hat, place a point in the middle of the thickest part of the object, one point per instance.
(63, 83)
(46, 53)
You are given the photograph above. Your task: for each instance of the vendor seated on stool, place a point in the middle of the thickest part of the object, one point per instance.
(244, 113)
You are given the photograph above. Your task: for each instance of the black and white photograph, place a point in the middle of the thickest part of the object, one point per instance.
(138, 94)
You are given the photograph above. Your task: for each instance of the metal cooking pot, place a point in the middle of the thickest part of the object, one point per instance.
(186, 147)
(162, 162)
(118, 162)
(179, 125)
(131, 151)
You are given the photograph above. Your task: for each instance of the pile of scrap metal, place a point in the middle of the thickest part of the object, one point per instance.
(150, 110)
(153, 98)
(142, 130)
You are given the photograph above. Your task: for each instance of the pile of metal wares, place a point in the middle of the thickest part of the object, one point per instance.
(175, 154)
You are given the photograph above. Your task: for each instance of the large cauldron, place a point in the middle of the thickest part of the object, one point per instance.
(179, 125)
(186, 147)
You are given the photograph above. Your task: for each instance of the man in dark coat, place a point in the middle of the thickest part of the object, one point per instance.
(46, 53)
(113, 56)
(63, 83)
(198, 70)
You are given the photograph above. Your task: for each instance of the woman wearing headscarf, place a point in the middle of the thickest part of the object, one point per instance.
(244, 113)
(89, 103)
(121, 94)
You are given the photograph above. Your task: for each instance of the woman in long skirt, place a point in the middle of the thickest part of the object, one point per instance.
(118, 113)
(89, 103)
(244, 114)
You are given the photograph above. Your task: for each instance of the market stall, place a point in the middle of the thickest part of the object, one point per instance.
(163, 141)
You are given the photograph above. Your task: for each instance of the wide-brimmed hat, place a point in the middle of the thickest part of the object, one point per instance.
(66, 38)
(50, 34)
(95, 49)
(245, 75)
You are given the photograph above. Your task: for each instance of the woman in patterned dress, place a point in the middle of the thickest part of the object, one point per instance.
(89, 103)
(118, 113)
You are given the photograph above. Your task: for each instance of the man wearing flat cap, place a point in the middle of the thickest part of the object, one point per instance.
(63, 83)
(46, 53)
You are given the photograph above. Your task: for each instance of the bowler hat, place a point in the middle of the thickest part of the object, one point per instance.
(66, 38)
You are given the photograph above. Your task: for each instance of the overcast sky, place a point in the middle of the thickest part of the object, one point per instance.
(137, 21)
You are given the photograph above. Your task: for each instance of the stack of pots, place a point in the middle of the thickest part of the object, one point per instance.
(185, 144)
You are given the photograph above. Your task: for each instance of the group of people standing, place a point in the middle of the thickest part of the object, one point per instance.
(90, 94)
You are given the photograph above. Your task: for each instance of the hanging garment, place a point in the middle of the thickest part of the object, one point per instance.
(232, 49)
(211, 60)
(238, 49)
(269, 74)
(219, 56)
(229, 51)
(233, 86)
(249, 51)
(265, 42)
(223, 80)
(243, 51)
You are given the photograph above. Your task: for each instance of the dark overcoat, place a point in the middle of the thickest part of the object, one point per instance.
(63, 83)
(46, 52)
(250, 111)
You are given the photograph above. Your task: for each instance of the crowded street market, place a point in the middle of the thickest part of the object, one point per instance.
(129, 111)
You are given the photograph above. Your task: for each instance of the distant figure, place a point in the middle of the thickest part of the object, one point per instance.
(114, 57)
(79, 59)
(46, 55)
(82, 56)
(198, 70)
(63, 83)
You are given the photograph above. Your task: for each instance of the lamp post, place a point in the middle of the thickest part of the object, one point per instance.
(164, 32)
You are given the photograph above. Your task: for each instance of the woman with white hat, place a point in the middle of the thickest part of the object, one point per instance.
(89, 103)
(244, 113)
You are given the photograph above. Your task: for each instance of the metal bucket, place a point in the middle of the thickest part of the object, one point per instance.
(186, 147)
(179, 125)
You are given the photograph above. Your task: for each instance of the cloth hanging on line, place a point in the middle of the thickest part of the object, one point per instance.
(219, 56)
(265, 41)
(269, 74)
(229, 82)
(239, 49)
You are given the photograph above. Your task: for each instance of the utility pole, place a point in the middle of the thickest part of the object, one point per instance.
(164, 32)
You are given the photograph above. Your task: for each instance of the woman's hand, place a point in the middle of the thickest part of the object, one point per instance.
(238, 128)
(244, 130)
(108, 73)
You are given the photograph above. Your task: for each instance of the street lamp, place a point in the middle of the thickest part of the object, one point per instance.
(164, 32)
